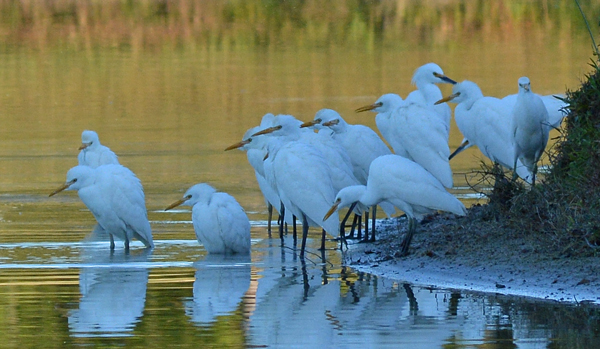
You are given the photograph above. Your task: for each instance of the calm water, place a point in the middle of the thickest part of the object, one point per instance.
(169, 113)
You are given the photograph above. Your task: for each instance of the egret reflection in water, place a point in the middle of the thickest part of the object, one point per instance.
(220, 285)
(113, 293)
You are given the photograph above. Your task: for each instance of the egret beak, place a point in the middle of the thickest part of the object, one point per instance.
(178, 202)
(311, 123)
(63, 187)
(239, 144)
(332, 209)
(84, 145)
(332, 122)
(447, 99)
(444, 78)
(369, 107)
(267, 130)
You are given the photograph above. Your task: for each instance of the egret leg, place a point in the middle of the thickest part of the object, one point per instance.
(294, 232)
(270, 210)
(112, 242)
(359, 226)
(126, 244)
(343, 224)
(323, 240)
(366, 226)
(412, 226)
(282, 214)
(353, 227)
(373, 223)
(514, 176)
(304, 235)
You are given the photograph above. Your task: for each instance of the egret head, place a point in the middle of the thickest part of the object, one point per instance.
(330, 118)
(197, 193)
(430, 73)
(89, 139)
(524, 84)
(346, 197)
(385, 103)
(77, 178)
(463, 91)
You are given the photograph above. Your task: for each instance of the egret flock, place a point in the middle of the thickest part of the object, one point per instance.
(310, 170)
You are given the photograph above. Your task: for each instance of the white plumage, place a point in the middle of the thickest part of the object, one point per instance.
(557, 108)
(530, 127)
(385, 107)
(116, 198)
(425, 140)
(360, 142)
(303, 178)
(427, 93)
(220, 223)
(485, 122)
(94, 154)
(406, 185)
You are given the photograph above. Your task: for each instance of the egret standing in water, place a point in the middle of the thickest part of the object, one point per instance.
(303, 178)
(406, 185)
(256, 151)
(94, 154)
(220, 223)
(361, 143)
(115, 197)
(529, 127)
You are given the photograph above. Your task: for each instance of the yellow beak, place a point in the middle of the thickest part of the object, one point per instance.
(267, 130)
(62, 187)
(332, 209)
(239, 144)
(447, 99)
(369, 107)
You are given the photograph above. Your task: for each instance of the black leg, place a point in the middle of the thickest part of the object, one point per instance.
(373, 221)
(270, 210)
(282, 215)
(304, 235)
(294, 231)
(366, 226)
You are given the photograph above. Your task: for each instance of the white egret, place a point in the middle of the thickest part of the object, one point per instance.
(341, 168)
(484, 122)
(303, 178)
(425, 140)
(529, 127)
(94, 154)
(556, 107)
(256, 151)
(115, 197)
(220, 223)
(427, 93)
(406, 185)
(360, 142)
(385, 107)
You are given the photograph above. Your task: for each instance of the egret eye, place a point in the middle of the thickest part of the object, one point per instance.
(74, 180)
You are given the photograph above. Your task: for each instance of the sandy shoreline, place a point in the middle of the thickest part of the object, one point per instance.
(494, 268)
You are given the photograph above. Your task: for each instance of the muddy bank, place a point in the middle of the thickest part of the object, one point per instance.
(444, 257)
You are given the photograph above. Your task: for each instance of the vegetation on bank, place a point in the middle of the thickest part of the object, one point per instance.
(366, 24)
(560, 215)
